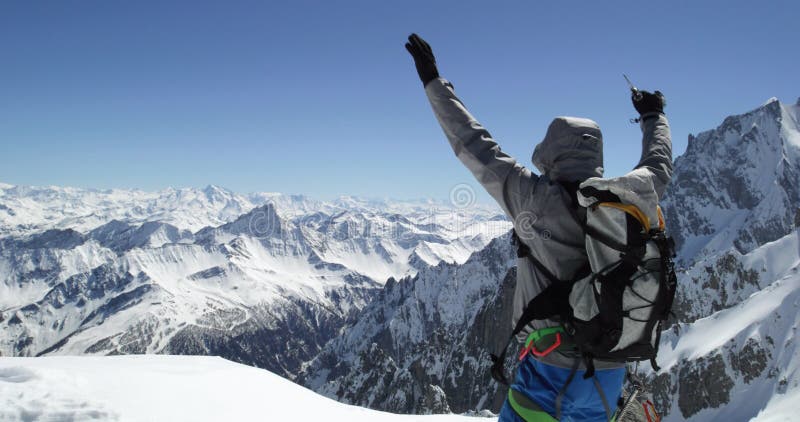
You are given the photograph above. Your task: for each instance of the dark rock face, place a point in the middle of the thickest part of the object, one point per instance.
(751, 361)
(703, 384)
(15, 320)
(92, 285)
(279, 337)
(708, 382)
(664, 390)
(713, 285)
(55, 239)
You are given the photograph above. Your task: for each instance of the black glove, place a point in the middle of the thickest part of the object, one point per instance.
(423, 58)
(649, 102)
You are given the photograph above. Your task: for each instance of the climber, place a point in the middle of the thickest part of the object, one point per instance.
(550, 384)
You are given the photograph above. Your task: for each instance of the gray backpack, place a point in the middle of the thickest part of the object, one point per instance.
(614, 308)
(617, 311)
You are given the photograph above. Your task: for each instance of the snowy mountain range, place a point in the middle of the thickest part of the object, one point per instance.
(268, 287)
(396, 305)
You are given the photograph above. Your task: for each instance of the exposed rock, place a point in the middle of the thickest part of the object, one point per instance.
(664, 390)
(249, 338)
(703, 384)
(423, 345)
(751, 361)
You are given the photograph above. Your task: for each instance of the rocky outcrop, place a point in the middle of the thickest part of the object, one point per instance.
(423, 345)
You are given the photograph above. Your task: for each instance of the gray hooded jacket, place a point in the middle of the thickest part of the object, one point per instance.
(539, 207)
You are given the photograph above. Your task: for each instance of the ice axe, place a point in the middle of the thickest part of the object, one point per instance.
(637, 95)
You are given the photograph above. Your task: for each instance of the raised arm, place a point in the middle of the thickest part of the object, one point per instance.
(496, 171)
(656, 139)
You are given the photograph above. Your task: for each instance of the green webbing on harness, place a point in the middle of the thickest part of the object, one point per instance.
(526, 408)
(537, 335)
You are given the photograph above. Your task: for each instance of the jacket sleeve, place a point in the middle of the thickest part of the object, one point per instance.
(496, 171)
(656, 150)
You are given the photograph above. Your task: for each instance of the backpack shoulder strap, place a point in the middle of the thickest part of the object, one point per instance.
(578, 212)
(523, 251)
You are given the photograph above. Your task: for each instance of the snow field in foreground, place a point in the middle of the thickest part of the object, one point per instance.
(166, 388)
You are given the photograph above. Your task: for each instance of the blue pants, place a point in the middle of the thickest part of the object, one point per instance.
(581, 400)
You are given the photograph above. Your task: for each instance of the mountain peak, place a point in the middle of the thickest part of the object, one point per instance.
(214, 188)
(262, 221)
(216, 193)
(770, 101)
(736, 184)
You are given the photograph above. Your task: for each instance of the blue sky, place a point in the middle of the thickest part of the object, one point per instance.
(321, 98)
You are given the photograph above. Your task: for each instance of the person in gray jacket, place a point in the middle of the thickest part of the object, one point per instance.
(541, 207)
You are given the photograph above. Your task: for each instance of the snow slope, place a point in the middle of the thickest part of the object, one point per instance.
(740, 362)
(166, 388)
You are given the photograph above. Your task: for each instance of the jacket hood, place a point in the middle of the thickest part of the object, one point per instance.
(572, 150)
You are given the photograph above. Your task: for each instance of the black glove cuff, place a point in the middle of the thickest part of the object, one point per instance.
(649, 115)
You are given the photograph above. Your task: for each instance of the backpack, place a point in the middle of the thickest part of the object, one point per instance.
(613, 309)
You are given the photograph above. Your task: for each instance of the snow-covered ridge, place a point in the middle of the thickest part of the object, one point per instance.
(167, 388)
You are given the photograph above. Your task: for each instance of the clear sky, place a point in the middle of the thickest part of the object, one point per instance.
(321, 98)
